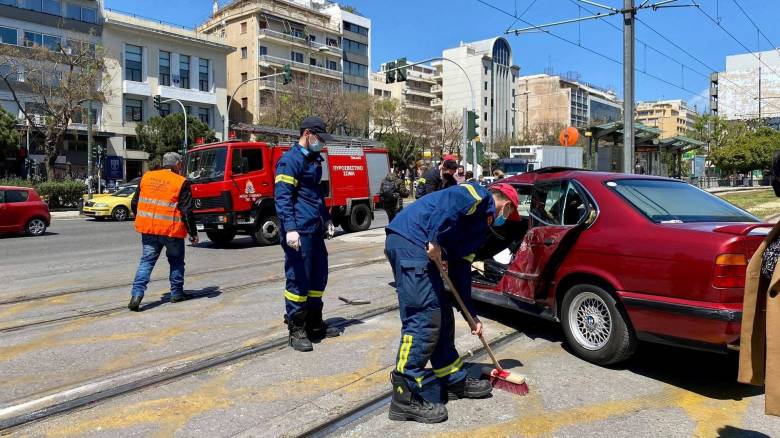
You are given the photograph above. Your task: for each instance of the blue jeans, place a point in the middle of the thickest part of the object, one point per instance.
(152, 247)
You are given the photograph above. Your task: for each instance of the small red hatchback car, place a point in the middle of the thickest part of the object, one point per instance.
(23, 211)
(619, 258)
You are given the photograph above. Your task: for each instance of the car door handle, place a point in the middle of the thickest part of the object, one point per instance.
(550, 241)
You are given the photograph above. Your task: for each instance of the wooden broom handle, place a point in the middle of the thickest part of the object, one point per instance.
(469, 318)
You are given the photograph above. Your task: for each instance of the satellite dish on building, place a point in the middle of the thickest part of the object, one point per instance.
(569, 136)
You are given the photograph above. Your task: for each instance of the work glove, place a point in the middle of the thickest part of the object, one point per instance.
(293, 240)
(330, 230)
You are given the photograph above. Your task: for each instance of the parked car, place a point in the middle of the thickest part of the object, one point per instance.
(23, 211)
(114, 205)
(619, 258)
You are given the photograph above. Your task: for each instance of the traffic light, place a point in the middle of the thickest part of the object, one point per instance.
(157, 102)
(471, 125)
(401, 75)
(480, 152)
(97, 153)
(390, 72)
(287, 74)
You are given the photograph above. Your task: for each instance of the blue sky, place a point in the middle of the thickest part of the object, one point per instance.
(420, 29)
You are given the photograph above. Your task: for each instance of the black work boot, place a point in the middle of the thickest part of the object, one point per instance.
(469, 388)
(297, 327)
(135, 303)
(317, 329)
(407, 405)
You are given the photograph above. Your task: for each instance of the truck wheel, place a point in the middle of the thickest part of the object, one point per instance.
(267, 232)
(359, 219)
(221, 238)
(595, 326)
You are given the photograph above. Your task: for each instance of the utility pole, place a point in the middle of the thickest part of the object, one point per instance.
(629, 24)
(89, 148)
(629, 12)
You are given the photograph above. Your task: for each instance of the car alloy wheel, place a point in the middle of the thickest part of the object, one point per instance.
(120, 214)
(36, 227)
(590, 320)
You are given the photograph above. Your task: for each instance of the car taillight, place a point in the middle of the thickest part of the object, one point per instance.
(730, 270)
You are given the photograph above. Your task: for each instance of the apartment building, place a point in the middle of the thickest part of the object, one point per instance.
(673, 117)
(748, 88)
(327, 47)
(489, 73)
(415, 96)
(52, 23)
(550, 102)
(148, 58)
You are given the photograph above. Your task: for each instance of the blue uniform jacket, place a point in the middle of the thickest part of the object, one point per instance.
(454, 218)
(299, 201)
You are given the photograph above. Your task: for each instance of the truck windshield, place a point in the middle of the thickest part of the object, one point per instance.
(677, 202)
(206, 165)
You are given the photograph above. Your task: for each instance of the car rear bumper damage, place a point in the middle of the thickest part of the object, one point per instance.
(694, 324)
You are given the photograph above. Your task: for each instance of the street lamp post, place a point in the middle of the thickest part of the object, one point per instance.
(230, 99)
(183, 111)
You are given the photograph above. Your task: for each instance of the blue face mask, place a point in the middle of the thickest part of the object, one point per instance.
(315, 146)
(499, 220)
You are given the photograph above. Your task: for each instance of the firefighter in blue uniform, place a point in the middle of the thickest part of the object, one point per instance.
(448, 225)
(304, 222)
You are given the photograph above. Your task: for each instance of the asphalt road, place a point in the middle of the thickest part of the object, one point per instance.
(66, 336)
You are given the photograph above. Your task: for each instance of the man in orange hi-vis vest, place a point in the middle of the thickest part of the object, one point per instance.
(163, 215)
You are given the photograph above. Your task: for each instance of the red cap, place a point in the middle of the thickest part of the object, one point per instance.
(511, 194)
(449, 157)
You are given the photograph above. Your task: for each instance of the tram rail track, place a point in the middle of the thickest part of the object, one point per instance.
(97, 313)
(43, 295)
(88, 394)
(371, 406)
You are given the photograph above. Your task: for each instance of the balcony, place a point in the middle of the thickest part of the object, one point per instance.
(136, 88)
(436, 103)
(417, 105)
(188, 95)
(437, 89)
(302, 42)
(301, 66)
(419, 92)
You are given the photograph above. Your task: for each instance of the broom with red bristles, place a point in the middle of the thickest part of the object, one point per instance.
(499, 377)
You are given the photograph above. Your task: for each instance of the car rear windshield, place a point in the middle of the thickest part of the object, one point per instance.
(206, 165)
(677, 202)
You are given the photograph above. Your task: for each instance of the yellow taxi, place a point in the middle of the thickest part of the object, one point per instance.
(114, 205)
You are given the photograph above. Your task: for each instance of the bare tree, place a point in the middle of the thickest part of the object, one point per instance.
(51, 87)
(452, 133)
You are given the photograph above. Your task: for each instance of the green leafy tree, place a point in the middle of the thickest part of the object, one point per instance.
(9, 136)
(56, 86)
(159, 135)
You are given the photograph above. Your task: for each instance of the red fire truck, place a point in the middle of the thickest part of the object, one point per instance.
(233, 187)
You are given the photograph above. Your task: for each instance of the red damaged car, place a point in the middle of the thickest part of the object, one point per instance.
(619, 258)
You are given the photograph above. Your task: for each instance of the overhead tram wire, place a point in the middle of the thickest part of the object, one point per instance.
(698, 6)
(595, 52)
(697, 59)
(647, 45)
(761, 32)
(588, 49)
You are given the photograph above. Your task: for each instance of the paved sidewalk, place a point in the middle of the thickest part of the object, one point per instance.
(65, 214)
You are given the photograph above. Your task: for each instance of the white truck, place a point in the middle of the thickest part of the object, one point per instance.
(533, 157)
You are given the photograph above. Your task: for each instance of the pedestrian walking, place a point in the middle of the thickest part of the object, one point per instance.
(759, 352)
(438, 178)
(162, 207)
(449, 226)
(470, 176)
(392, 192)
(305, 222)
